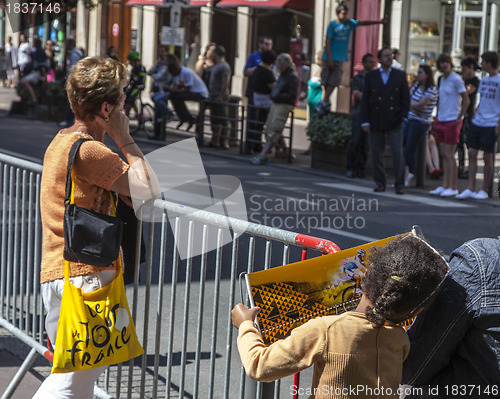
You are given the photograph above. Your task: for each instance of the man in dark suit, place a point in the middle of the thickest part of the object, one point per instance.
(386, 101)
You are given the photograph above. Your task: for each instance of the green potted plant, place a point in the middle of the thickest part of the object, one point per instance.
(330, 137)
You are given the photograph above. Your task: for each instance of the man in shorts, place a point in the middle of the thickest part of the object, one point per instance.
(283, 95)
(484, 127)
(38, 74)
(219, 98)
(336, 53)
(452, 106)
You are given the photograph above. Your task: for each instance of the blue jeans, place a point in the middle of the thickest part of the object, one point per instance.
(413, 133)
(161, 108)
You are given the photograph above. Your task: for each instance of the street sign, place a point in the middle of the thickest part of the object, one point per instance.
(175, 15)
(172, 36)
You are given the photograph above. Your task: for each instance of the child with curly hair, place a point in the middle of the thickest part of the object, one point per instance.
(360, 353)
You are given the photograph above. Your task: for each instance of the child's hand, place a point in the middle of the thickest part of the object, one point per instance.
(241, 313)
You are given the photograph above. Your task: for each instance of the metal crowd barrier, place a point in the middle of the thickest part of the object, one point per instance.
(235, 118)
(21, 309)
(256, 118)
(181, 307)
(242, 134)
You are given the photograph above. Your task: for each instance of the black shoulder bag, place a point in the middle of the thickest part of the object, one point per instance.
(90, 237)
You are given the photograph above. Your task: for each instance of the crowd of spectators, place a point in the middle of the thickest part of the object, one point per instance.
(438, 110)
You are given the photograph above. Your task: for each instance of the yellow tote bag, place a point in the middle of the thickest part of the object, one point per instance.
(95, 329)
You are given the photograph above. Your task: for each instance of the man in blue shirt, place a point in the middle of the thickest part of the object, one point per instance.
(336, 52)
(254, 134)
(254, 59)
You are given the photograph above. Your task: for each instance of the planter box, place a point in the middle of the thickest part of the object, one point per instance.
(330, 159)
(334, 159)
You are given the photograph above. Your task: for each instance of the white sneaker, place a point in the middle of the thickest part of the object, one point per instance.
(481, 195)
(466, 194)
(408, 179)
(437, 191)
(449, 193)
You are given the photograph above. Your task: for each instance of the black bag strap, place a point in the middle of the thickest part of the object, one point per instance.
(71, 158)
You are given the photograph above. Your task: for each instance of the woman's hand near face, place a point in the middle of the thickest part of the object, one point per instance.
(118, 125)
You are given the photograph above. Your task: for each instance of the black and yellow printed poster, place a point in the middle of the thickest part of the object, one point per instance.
(293, 294)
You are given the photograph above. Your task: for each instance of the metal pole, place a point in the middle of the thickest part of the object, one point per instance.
(242, 128)
(28, 362)
(250, 388)
(482, 42)
(456, 26)
(493, 39)
(139, 30)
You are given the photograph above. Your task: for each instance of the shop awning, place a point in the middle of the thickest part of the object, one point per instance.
(160, 3)
(253, 3)
(156, 3)
(199, 3)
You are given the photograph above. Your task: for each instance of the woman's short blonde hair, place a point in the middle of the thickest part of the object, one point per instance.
(93, 81)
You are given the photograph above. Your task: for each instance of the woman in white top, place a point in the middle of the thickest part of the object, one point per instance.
(10, 62)
(452, 105)
(423, 100)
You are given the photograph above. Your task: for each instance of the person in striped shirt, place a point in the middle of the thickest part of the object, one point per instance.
(423, 100)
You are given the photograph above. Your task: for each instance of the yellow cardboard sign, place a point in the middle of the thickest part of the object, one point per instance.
(293, 294)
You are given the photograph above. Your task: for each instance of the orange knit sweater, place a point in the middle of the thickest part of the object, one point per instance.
(96, 169)
(352, 357)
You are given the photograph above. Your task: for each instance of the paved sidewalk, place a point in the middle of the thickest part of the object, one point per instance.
(12, 354)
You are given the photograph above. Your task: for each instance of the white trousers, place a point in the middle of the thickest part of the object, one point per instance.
(78, 384)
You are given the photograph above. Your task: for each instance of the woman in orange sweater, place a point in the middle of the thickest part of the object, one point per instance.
(95, 92)
(358, 354)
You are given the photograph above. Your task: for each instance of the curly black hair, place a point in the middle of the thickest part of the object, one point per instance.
(401, 277)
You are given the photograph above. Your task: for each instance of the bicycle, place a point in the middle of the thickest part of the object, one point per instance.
(142, 115)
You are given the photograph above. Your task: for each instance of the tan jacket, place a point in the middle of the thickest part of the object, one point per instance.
(351, 356)
(96, 169)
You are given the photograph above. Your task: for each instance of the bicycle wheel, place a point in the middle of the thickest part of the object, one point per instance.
(348, 294)
(133, 115)
(148, 120)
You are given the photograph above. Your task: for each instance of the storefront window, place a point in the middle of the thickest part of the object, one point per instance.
(462, 28)
(467, 22)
